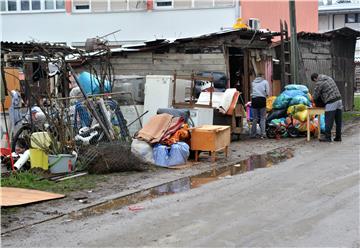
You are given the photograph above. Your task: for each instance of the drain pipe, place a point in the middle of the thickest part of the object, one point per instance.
(237, 9)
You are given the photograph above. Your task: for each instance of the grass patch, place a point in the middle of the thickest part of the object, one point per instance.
(357, 103)
(351, 114)
(31, 180)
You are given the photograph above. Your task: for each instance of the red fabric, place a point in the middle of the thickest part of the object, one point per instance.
(176, 124)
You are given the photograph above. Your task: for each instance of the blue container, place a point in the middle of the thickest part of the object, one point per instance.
(90, 84)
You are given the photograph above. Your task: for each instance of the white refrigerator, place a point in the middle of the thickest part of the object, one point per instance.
(159, 94)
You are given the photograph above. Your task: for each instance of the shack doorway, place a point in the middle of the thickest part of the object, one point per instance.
(236, 70)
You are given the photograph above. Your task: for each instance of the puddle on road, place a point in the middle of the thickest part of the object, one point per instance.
(184, 184)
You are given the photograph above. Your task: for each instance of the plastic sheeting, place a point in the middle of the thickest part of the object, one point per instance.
(176, 154)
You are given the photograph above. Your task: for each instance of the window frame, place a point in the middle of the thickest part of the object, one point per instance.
(74, 10)
(156, 7)
(41, 10)
(356, 18)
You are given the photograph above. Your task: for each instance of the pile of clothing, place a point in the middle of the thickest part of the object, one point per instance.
(163, 141)
(289, 109)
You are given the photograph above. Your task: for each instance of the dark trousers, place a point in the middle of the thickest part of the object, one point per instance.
(330, 116)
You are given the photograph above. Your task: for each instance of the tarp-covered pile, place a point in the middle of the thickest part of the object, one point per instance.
(289, 109)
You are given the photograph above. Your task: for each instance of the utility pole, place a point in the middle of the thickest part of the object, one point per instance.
(294, 45)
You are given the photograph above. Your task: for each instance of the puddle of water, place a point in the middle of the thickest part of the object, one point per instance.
(185, 184)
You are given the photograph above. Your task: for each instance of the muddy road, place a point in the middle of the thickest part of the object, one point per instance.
(310, 199)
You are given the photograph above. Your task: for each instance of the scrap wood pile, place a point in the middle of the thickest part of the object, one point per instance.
(288, 113)
(54, 129)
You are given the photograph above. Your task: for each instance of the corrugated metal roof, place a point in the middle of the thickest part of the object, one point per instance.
(151, 44)
(28, 46)
(345, 31)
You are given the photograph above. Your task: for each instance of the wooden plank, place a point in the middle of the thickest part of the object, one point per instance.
(246, 84)
(120, 61)
(18, 196)
(12, 83)
(188, 56)
(139, 55)
(172, 67)
(216, 61)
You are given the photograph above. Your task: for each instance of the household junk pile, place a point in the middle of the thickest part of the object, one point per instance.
(288, 113)
(164, 140)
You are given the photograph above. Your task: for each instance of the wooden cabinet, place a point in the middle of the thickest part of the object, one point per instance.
(211, 138)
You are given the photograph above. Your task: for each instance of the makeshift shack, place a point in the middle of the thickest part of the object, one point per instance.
(330, 53)
(238, 54)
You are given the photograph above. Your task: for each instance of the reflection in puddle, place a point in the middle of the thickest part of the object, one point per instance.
(252, 163)
(184, 184)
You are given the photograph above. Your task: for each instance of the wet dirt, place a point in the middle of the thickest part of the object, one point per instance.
(187, 183)
(116, 185)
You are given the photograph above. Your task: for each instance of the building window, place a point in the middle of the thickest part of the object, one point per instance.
(352, 18)
(12, 6)
(25, 5)
(35, 5)
(163, 4)
(81, 5)
(2, 5)
(31, 5)
(60, 4)
(49, 4)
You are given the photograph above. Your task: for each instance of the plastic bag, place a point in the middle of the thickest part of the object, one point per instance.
(296, 108)
(300, 100)
(176, 154)
(276, 114)
(301, 115)
(161, 154)
(281, 102)
(179, 154)
(142, 150)
(303, 88)
(293, 93)
(269, 103)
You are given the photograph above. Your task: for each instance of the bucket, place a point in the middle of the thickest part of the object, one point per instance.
(62, 163)
(39, 159)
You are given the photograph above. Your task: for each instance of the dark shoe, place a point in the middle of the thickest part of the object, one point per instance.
(325, 140)
(337, 139)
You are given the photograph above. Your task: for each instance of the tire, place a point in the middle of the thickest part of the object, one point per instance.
(271, 132)
(24, 132)
(293, 132)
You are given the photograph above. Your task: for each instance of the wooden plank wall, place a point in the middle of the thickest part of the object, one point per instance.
(147, 63)
(343, 50)
(334, 58)
(315, 57)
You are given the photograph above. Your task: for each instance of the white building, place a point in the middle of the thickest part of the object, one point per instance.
(341, 14)
(73, 21)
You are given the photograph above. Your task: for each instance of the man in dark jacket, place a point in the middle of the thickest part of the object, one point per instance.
(326, 91)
